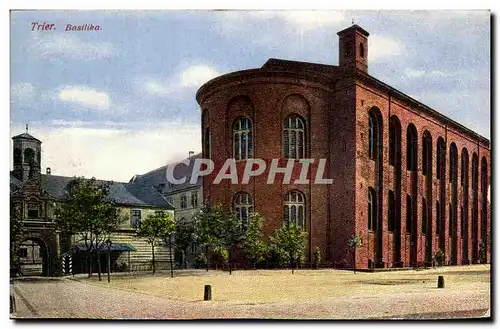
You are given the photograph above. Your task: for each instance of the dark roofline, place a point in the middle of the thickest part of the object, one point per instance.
(26, 136)
(368, 78)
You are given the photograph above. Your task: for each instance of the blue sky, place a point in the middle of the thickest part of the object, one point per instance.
(121, 101)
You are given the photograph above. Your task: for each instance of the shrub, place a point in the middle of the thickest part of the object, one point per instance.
(439, 257)
(317, 256)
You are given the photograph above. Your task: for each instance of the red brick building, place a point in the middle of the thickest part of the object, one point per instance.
(407, 179)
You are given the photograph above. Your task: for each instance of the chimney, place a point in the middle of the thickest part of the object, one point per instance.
(47, 171)
(191, 153)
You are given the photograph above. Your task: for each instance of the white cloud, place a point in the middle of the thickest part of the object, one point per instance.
(383, 47)
(111, 153)
(197, 75)
(412, 73)
(84, 96)
(55, 46)
(21, 92)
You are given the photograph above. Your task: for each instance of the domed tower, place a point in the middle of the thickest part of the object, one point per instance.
(27, 156)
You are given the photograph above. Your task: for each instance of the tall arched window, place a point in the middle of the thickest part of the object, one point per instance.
(426, 153)
(394, 141)
(391, 209)
(294, 209)
(453, 163)
(440, 158)
(294, 137)
(29, 155)
(411, 148)
(374, 133)
(207, 143)
(17, 155)
(372, 209)
(242, 139)
(243, 207)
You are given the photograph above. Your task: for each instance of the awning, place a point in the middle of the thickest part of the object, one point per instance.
(103, 247)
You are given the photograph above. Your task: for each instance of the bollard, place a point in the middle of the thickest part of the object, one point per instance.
(440, 281)
(12, 304)
(208, 292)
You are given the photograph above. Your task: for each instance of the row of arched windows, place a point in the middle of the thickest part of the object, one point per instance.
(294, 208)
(294, 138)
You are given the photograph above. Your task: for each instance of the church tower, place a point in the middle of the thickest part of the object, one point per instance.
(27, 156)
(353, 48)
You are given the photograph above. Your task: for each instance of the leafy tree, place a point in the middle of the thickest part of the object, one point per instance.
(217, 228)
(155, 228)
(254, 247)
(17, 232)
(289, 243)
(185, 236)
(89, 214)
(354, 243)
(317, 256)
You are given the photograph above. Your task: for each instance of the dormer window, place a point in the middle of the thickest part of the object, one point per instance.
(33, 210)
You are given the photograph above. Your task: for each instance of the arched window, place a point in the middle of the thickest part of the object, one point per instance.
(440, 158)
(294, 137)
(450, 221)
(394, 141)
(464, 173)
(438, 218)
(242, 139)
(372, 210)
(462, 222)
(361, 50)
(391, 208)
(294, 209)
(207, 143)
(426, 153)
(411, 148)
(408, 214)
(17, 155)
(374, 134)
(243, 207)
(424, 216)
(453, 163)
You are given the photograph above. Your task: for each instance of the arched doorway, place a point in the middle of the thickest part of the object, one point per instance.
(33, 257)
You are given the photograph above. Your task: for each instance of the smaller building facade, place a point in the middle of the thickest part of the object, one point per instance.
(46, 250)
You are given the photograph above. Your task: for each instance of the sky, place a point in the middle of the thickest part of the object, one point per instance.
(121, 101)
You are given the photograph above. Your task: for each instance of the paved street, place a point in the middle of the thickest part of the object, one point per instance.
(66, 298)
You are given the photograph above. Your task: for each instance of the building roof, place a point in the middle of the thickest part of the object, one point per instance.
(157, 178)
(128, 194)
(26, 136)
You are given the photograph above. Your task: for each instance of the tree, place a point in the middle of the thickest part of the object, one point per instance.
(354, 243)
(218, 229)
(184, 237)
(156, 228)
(289, 243)
(89, 214)
(16, 238)
(253, 246)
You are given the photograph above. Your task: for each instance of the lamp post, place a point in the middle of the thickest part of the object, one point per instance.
(108, 242)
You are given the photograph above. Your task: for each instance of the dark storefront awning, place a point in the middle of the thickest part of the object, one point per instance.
(103, 247)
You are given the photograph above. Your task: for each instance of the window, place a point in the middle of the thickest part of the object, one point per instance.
(194, 199)
(170, 200)
(293, 137)
(438, 218)
(294, 209)
(22, 252)
(411, 148)
(440, 158)
(371, 138)
(453, 163)
(372, 214)
(183, 201)
(409, 215)
(33, 210)
(462, 222)
(207, 143)
(394, 141)
(243, 207)
(17, 155)
(194, 248)
(450, 224)
(424, 216)
(29, 156)
(361, 50)
(391, 208)
(135, 217)
(426, 154)
(242, 139)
